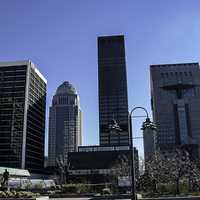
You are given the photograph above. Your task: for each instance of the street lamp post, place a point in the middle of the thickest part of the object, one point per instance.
(146, 124)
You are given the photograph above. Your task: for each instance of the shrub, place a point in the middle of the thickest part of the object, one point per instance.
(15, 194)
(25, 194)
(76, 188)
(83, 188)
(196, 194)
(149, 195)
(184, 187)
(70, 188)
(106, 191)
(2, 194)
(9, 194)
(163, 189)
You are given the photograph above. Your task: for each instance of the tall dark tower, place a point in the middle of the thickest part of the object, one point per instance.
(113, 101)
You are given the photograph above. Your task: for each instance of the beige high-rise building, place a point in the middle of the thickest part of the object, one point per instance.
(64, 124)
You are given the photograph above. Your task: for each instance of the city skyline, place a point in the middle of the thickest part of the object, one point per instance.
(63, 44)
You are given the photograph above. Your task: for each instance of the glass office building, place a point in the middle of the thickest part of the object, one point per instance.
(113, 100)
(22, 115)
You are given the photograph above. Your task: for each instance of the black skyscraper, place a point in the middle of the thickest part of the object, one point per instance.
(113, 101)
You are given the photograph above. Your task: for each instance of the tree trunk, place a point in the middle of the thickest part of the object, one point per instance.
(177, 186)
(155, 186)
(189, 184)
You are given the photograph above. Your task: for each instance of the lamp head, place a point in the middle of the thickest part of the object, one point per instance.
(148, 124)
(114, 126)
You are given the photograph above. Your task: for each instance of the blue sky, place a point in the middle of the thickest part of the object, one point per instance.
(59, 36)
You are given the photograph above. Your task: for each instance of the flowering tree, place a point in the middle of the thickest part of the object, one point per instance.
(156, 170)
(172, 168)
(181, 167)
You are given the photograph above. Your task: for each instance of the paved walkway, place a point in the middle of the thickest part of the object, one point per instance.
(70, 199)
(78, 199)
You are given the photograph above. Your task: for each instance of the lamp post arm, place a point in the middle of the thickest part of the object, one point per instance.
(139, 107)
(132, 158)
(134, 196)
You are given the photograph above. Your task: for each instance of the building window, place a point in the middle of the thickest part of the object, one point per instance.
(185, 73)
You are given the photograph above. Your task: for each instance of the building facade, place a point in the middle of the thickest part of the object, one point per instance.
(149, 144)
(96, 163)
(113, 100)
(64, 124)
(175, 93)
(22, 115)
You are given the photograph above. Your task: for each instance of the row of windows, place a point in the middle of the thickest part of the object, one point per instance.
(13, 78)
(38, 114)
(105, 63)
(64, 100)
(12, 94)
(120, 112)
(37, 104)
(116, 139)
(11, 89)
(185, 93)
(13, 68)
(167, 74)
(36, 122)
(37, 79)
(37, 86)
(13, 73)
(32, 146)
(174, 65)
(12, 83)
(36, 125)
(99, 148)
(36, 94)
